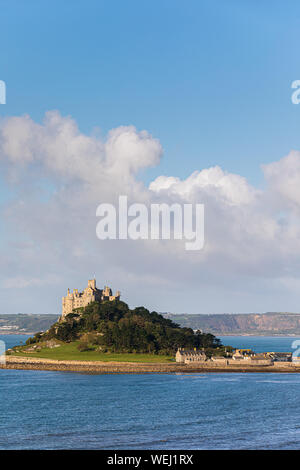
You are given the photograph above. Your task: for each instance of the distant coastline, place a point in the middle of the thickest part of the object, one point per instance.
(278, 335)
(241, 324)
(8, 333)
(276, 324)
(267, 335)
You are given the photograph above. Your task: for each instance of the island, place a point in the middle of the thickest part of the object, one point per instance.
(99, 333)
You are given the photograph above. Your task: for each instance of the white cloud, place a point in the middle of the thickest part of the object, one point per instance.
(252, 235)
(231, 189)
(21, 283)
(283, 179)
(66, 153)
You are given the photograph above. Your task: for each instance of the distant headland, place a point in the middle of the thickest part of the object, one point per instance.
(239, 324)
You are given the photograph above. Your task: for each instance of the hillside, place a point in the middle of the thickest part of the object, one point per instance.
(23, 323)
(271, 323)
(111, 327)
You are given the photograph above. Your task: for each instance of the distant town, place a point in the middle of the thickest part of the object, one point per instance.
(236, 357)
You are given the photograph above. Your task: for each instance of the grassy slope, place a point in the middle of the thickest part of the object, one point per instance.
(69, 351)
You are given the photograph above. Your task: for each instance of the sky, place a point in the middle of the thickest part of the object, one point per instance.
(163, 101)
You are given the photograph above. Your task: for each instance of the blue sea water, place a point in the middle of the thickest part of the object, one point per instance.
(13, 340)
(66, 410)
(261, 343)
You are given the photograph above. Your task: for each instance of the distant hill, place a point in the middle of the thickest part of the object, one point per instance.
(271, 323)
(25, 323)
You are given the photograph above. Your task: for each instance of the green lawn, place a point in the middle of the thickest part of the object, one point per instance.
(70, 352)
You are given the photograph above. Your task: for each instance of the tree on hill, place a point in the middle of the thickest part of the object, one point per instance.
(117, 328)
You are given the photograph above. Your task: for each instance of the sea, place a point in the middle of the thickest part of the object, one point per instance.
(67, 410)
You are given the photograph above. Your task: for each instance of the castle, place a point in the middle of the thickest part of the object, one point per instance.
(90, 294)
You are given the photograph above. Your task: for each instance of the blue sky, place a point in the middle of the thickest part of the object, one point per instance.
(211, 80)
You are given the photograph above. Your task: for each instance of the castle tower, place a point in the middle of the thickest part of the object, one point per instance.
(92, 283)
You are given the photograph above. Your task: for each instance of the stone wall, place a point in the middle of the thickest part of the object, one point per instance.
(98, 367)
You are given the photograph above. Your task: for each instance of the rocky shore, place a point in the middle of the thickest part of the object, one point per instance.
(95, 367)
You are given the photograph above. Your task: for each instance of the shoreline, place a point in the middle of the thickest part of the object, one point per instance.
(97, 367)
